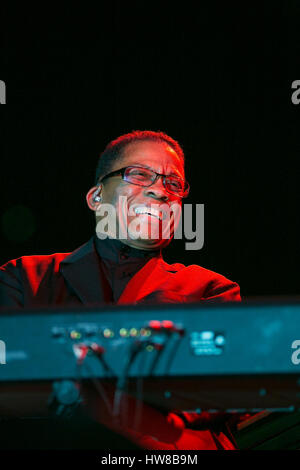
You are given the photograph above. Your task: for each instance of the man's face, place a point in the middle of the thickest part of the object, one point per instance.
(161, 158)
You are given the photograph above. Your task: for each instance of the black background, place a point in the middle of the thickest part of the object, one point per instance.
(216, 76)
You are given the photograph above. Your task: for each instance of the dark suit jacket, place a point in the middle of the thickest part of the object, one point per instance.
(76, 278)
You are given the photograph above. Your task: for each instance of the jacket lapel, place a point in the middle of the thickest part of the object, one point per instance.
(145, 281)
(81, 269)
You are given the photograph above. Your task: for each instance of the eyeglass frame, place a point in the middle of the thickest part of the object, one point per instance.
(122, 172)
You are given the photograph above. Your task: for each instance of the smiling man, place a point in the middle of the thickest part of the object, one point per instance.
(150, 183)
(140, 182)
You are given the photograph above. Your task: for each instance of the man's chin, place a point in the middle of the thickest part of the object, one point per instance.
(147, 243)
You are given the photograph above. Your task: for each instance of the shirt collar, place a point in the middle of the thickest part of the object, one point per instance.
(116, 251)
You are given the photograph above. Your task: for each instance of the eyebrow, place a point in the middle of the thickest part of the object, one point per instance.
(149, 167)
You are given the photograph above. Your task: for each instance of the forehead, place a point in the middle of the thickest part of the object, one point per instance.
(159, 156)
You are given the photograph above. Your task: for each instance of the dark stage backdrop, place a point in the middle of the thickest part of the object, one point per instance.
(217, 77)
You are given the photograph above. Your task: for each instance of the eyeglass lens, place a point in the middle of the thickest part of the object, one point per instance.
(144, 176)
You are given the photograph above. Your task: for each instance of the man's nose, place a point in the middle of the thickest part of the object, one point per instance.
(157, 190)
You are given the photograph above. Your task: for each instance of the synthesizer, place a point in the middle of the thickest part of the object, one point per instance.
(233, 356)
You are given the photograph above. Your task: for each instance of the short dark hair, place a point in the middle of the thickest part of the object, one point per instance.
(114, 150)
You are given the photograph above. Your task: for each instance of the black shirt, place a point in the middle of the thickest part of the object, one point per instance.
(120, 263)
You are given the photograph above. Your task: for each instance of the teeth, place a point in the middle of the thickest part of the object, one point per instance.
(145, 210)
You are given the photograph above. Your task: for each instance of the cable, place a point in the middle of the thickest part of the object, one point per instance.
(168, 328)
(159, 349)
(172, 355)
(139, 398)
(139, 385)
(81, 363)
(122, 379)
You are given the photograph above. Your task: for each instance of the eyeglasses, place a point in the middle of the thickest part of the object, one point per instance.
(141, 176)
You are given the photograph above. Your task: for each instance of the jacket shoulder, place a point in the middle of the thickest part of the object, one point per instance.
(204, 283)
(22, 276)
(34, 261)
(193, 269)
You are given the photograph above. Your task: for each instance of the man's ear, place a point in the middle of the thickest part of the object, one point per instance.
(94, 198)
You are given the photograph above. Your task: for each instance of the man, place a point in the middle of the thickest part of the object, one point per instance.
(141, 176)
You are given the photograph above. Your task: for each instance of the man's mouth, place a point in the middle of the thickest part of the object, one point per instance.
(149, 211)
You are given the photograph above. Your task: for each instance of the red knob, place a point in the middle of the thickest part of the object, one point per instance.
(168, 324)
(155, 324)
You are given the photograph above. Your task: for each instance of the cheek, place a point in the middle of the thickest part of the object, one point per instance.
(125, 197)
(122, 199)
